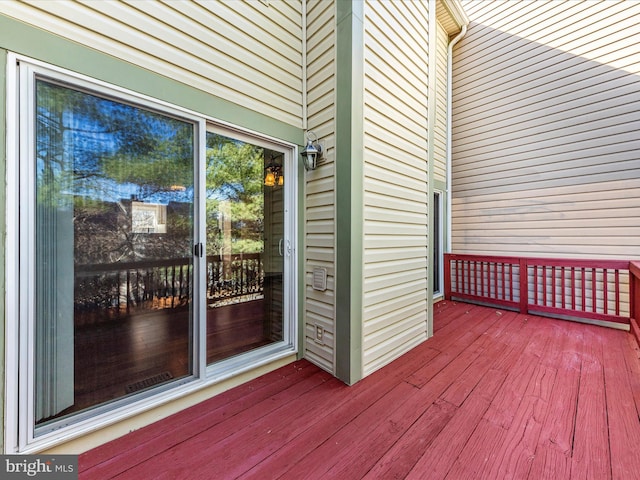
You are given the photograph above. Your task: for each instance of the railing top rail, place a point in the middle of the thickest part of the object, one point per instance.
(165, 262)
(141, 264)
(485, 258)
(579, 262)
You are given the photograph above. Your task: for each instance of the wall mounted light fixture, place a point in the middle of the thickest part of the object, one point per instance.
(274, 174)
(312, 152)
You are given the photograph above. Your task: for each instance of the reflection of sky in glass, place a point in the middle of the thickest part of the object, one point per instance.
(89, 144)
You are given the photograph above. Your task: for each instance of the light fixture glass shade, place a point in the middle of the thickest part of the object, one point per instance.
(281, 180)
(270, 179)
(310, 155)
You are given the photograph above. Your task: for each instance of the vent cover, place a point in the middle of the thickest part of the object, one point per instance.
(319, 278)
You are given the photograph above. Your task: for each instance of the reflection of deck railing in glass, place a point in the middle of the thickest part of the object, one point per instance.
(106, 291)
(233, 276)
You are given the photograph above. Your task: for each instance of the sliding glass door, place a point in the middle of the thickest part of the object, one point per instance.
(245, 246)
(155, 252)
(114, 228)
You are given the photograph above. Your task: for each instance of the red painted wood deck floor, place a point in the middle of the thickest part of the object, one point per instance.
(494, 394)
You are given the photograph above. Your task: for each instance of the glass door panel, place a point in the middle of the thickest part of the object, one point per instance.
(114, 232)
(245, 246)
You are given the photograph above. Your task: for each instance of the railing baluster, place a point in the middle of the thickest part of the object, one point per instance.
(553, 286)
(584, 288)
(594, 287)
(473, 280)
(562, 287)
(544, 285)
(511, 282)
(617, 288)
(535, 284)
(573, 288)
(523, 288)
(495, 279)
(466, 271)
(127, 290)
(605, 293)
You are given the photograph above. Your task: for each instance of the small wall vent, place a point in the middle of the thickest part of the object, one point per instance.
(319, 278)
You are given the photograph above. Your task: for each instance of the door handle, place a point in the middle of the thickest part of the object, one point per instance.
(280, 252)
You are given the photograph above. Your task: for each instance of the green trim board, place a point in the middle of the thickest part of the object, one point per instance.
(20, 38)
(300, 249)
(349, 189)
(431, 133)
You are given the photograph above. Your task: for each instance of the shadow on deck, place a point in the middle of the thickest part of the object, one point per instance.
(494, 394)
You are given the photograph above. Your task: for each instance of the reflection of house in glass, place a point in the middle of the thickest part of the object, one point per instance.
(148, 217)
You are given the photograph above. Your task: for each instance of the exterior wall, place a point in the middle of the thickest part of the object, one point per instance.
(248, 53)
(319, 216)
(396, 64)
(546, 115)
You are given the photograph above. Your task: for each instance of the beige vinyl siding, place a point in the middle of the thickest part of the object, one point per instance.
(248, 53)
(395, 180)
(440, 134)
(546, 130)
(319, 218)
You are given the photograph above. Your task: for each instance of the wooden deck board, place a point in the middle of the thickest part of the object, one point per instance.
(591, 456)
(339, 450)
(624, 432)
(494, 395)
(632, 361)
(398, 460)
(516, 452)
(141, 453)
(160, 436)
(266, 434)
(553, 454)
(442, 452)
(361, 397)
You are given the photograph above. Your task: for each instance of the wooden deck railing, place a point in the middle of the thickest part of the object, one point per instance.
(108, 290)
(603, 290)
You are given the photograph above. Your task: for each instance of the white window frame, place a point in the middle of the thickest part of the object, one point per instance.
(440, 218)
(20, 432)
(236, 364)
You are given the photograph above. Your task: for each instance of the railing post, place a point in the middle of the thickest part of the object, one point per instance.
(524, 285)
(633, 285)
(447, 277)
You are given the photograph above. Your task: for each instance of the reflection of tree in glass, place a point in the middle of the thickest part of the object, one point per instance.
(97, 155)
(234, 179)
